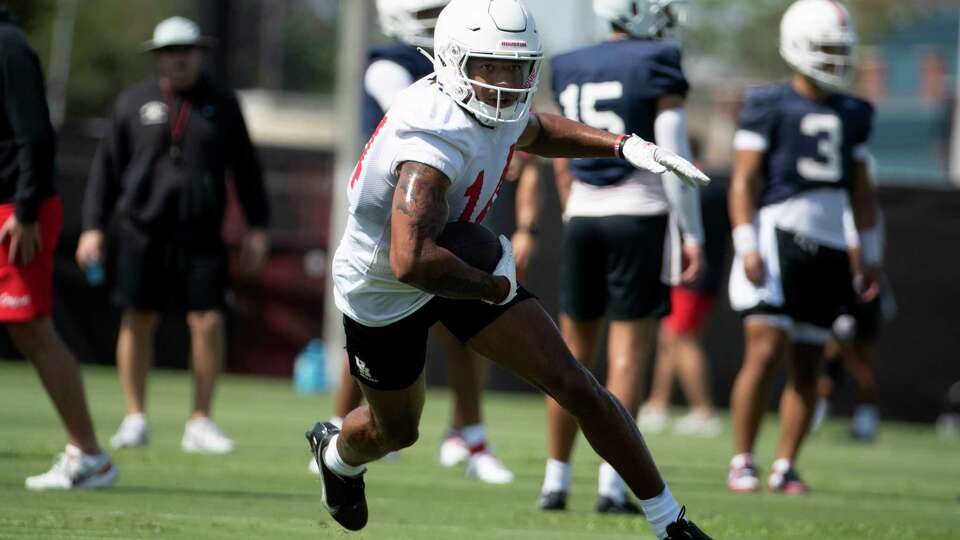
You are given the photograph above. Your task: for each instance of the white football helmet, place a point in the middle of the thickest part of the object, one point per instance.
(498, 29)
(409, 20)
(643, 19)
(817, 39)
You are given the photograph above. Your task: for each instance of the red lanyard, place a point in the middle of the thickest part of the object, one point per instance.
(179, 116)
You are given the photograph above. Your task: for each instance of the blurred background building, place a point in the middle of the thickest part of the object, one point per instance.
(281, 55)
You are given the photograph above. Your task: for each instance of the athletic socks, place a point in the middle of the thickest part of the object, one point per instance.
(611, 485)
(475, 435)
(337, 421)
(661, 511)
(333, 461)
(557, 477)
(781, 466)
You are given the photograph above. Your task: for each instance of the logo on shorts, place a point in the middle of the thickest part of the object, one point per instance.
(363, 370)
(13, 302)
(153, 112)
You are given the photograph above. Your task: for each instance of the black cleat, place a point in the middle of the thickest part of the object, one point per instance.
(343, 496)
(554, 501)
(682, 529)
(606, 505)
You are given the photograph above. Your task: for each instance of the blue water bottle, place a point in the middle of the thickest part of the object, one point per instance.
(95, 274)
(310, 368)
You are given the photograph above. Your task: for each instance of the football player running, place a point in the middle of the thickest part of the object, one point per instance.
(393, 67)
(437, 157)
(800, 155)
(617, 218)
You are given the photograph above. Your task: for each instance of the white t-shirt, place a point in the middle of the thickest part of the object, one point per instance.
(427, 126)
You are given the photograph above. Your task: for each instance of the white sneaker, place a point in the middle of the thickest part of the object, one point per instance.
(202, 436)
(132, 433)
(75, 470)
(652, 419)
(453, 451)
(699, 424)
(485, 467)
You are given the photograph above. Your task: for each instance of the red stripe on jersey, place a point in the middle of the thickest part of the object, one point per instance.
(359, 168)
(496, 192)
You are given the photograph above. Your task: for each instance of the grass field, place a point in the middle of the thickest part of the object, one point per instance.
(905, 487)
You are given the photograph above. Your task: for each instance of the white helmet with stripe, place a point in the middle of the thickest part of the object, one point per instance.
(817, 39)
(495, 29)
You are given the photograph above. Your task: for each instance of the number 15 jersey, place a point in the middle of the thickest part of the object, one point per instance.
(424, 125)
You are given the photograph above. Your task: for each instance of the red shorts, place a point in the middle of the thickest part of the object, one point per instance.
(689, 311)
(26, 292)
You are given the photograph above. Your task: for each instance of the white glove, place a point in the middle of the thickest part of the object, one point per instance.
(648, 156)
(506, 268)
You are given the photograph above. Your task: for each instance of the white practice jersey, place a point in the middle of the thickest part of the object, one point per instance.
(426, 126)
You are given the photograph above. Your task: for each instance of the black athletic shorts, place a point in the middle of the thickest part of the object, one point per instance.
(392, 357)
(816, 280)
(612, 268)
(152, 274)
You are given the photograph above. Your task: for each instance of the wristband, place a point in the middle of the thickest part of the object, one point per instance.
(744, 239)
(618, 146)
(870, 246)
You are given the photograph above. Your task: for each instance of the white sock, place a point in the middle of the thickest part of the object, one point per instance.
(337, 421)
(740, 461)
(611, 485)
(781, 465)
(333, 461)
(475, 435)
(557, 477)
(661, 511)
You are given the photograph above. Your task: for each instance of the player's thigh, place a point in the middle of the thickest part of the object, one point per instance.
(583, 293)
(817, 285)
(525, 340)
(634, 267)
(766, 340)
(581, 337)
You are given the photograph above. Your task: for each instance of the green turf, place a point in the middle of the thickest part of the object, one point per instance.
(904, 487)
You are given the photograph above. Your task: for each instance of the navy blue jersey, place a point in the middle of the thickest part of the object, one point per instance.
(809, 145)
(615, 86)
(407, 57)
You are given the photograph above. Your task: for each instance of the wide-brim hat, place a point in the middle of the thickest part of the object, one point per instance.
(177, 32)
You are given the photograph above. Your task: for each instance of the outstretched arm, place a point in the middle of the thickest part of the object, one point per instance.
(419, 214)
(554, 136)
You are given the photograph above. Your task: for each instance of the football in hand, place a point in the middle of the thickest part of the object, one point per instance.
(474, 244)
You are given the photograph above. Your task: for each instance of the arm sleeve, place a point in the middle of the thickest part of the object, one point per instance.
(384, 80)
(247, 174)
(106, 173)
(431, 150)
(670, 128)
(25, 105)
(756, 124)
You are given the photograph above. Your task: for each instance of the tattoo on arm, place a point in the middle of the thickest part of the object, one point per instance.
(420, 212)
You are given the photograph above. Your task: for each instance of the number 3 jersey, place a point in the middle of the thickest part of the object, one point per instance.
(810, 153)
(424, 125)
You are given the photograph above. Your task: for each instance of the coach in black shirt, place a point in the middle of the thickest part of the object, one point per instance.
(161, 173)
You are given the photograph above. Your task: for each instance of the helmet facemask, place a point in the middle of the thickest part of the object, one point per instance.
(452, 67)
(830, 63)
